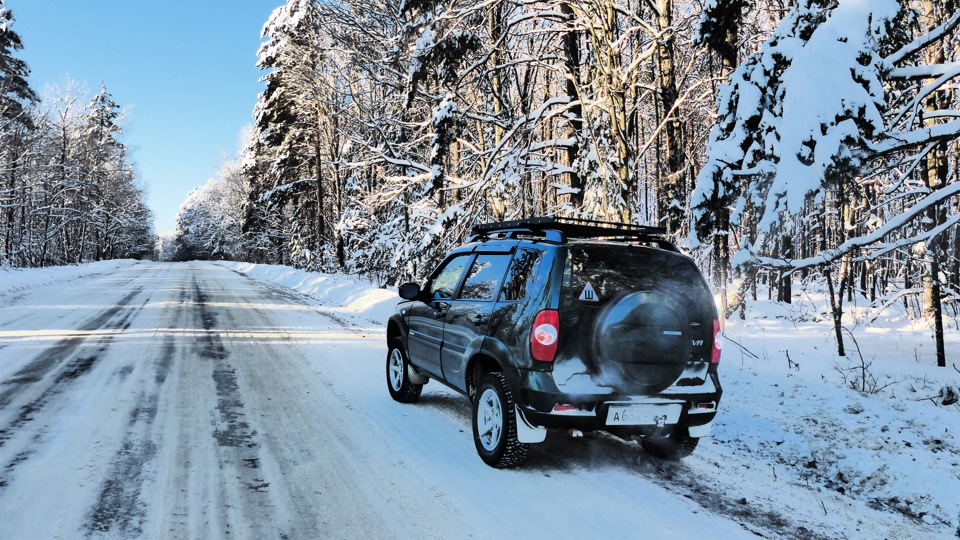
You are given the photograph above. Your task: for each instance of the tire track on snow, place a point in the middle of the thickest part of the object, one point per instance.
(71, 370)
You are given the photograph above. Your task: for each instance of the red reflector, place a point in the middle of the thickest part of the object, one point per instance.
(706, 406)
(545, 335)
(563, 408)
(717, 343)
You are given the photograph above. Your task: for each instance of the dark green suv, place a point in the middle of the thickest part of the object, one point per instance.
(553, 323)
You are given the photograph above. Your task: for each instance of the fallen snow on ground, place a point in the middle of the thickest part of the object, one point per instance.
(882, 433)
(807, 444)
(880, 425)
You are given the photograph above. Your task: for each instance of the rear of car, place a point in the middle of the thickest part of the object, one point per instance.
(637, 346)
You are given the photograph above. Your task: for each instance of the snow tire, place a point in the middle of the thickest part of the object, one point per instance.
(495, 424)
(398, 378)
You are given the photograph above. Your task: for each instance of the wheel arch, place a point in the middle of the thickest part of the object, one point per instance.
(396, 329)
(480, 364)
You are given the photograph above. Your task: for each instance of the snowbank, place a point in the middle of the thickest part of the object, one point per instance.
(347, 296)
(19, 279)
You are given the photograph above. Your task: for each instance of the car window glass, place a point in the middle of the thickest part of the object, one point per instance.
(445, 284)
(523, 272)
(598, 274)
(483, 281)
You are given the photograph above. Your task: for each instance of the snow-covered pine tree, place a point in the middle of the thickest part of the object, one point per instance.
(15, 92)
(826, 109)
(16, 123)
(742, 152)
(287, 186)
(101, 152)
(794, 120)
(103, 119)
(719, 30)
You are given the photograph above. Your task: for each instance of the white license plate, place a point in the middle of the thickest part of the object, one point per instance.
(644, 414)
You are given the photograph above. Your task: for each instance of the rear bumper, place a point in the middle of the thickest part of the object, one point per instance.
(546, 407)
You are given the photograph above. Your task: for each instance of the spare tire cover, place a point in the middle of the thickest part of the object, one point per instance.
(641, 342)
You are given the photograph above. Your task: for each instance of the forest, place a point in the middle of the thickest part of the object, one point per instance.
(779, 142)
(69, 192)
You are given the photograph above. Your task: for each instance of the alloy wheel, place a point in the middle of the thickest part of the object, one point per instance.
(396, 369)
(489, 419)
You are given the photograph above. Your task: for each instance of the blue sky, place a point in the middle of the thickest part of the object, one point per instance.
(184, 70)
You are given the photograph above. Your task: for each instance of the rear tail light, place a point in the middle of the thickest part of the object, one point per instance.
(545, 335)
(717, 343)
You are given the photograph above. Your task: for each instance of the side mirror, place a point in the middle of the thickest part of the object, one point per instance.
(410, 291)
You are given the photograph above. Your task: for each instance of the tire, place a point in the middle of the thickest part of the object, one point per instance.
(495, 425)
(673, 446)
(398, 379)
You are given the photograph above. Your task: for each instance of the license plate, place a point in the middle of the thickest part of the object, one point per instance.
(644, 414)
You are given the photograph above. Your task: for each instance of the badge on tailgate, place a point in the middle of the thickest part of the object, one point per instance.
(644, 414)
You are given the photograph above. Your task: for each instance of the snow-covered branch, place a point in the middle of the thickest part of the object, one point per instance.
(924, 41)
(898, 222)
(896, 141)
(912, 73)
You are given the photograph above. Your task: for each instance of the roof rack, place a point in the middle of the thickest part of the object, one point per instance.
(558, 229)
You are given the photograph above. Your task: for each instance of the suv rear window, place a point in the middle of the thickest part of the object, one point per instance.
(597, 273)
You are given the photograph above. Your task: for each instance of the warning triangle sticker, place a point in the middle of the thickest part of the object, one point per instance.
(588, 294)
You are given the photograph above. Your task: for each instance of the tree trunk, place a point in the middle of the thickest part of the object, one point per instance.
(955, 271)
(934, 175)
(12, 204)
(785, 285)
(318, 164)
(836, 308)
(672, 192)
(937, 312)
(571, 61)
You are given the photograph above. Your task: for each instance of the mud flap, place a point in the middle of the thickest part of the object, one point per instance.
(526, 433)
(416, 378)
(700, 431)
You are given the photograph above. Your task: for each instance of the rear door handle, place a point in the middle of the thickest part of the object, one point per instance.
(478, 319)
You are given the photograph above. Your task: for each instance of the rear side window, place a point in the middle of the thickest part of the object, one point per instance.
(445, 284)
(484, 277)
(523, 272)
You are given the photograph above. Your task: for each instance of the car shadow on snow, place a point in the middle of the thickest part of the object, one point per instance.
(591, 450)
(599, 450)
(561, 451)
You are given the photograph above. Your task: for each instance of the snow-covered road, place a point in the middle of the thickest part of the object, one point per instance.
(192, 401)
(189, 401)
